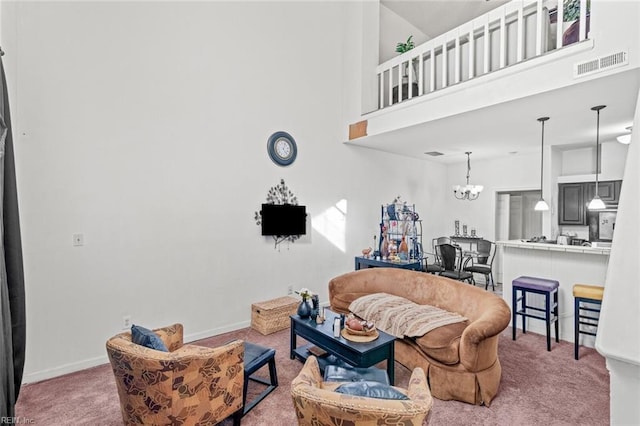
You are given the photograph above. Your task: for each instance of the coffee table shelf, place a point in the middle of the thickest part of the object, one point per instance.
(356, 354)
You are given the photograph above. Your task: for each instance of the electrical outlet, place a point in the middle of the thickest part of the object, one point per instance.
(290, 289)
(126, 322)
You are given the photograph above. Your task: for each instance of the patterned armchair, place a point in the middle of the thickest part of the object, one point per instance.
(189, 385)
(317, 405)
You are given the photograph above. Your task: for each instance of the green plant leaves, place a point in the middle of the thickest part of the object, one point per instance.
(406, 46)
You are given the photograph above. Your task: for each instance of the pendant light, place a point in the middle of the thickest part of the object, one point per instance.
(467, 192)
(542, 205)
(597, 203)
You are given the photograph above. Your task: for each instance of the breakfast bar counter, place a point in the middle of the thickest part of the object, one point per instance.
(565, 263)
(555, 247)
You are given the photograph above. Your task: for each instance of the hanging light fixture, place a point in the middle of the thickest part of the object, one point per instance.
(626, 138)
(467, 192)
(542, 205)
(597, 203)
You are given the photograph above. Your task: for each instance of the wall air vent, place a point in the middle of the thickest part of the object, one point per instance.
(602, 63)
(434, 153)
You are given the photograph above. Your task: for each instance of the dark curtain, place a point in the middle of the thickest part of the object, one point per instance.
(12, 303)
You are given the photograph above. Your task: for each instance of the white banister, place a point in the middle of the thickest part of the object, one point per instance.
(381, 91)
(400, 82)
(445, 62)
(456, 61)
(472, 52)
(487, 47)
(390, 86)
(506, 33)
(583, 20)
(559, 20)
(503, 39)
(539, 28)
(520, 39)
(421, 75)
(432, 71)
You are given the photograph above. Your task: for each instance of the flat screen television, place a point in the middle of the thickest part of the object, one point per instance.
(283, 219)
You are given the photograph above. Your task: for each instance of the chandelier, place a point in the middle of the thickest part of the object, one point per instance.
(467, 192)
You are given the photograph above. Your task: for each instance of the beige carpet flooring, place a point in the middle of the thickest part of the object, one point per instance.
(538, 387)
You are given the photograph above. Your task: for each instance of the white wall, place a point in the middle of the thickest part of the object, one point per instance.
(582, 161)
(393, 30)
(144, 126)
(618, 336)
(508, 173)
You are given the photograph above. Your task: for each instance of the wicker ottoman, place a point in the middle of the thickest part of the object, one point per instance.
(273, 315)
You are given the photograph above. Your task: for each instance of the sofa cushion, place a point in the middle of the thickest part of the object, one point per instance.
(341, 301)
(443, 343)
(145, 337)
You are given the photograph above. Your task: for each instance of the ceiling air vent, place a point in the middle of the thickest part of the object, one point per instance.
(602, 63)
(434, 153)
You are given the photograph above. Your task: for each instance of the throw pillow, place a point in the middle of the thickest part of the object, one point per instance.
(145, 337)
(370, 390)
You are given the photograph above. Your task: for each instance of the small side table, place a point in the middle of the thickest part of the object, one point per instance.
(256, 357)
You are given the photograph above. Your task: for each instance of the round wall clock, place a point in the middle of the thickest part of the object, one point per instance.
(282, 148)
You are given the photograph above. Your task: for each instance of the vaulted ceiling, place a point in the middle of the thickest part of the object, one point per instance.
(435, 17)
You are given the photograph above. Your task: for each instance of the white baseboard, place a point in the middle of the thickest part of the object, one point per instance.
(215, 331)
(61, 370)
(50, 373)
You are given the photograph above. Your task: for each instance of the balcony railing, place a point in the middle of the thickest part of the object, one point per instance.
(510, 34)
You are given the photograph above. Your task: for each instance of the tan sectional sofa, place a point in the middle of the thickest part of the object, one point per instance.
(461, 360)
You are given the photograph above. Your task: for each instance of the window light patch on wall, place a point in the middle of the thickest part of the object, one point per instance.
(332, 224)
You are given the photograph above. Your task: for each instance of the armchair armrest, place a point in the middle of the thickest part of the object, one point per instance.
(479, 341)
(172, 336)
(418, 390)
(212, 377)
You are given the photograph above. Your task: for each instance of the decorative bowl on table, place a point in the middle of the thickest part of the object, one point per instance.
(361, 327)
(369, 332)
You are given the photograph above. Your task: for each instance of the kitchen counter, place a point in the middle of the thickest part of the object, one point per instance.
(555, 247)
(568, 265)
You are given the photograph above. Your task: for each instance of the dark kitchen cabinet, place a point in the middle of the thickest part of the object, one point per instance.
(617, 188)
(609, 191)
(571, 204)
(573, 199)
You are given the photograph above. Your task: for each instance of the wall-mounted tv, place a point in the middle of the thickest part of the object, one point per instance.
(283, 219)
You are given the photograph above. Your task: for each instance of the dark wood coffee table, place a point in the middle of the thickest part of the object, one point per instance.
(340, 349)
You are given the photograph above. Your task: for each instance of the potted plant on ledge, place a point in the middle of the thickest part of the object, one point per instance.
(401, 48)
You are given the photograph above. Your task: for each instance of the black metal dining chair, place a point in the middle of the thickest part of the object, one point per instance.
(432, 261)
(482, 262)
(452, 262)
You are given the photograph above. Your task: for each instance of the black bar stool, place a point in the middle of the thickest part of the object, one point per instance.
(587, 299)
(545, 287)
